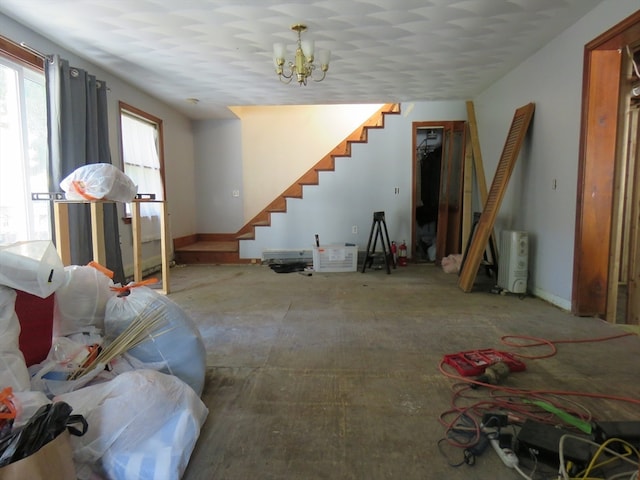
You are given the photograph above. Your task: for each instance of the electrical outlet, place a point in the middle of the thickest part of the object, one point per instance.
(354, 229)
(235, 193)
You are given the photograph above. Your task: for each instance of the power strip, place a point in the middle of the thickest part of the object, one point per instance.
(506, 454)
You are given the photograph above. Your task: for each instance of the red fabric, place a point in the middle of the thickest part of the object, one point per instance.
(36, 326)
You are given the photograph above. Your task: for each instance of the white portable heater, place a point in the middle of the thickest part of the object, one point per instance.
(513, 265)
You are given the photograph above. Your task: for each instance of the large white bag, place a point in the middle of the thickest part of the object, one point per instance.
(13, 369)
(99, 181)
(33, 267)
(143, 425)
(81, 301)
(180, 350)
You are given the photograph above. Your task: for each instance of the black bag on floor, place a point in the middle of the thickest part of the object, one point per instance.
(288, 267)
(43, 427)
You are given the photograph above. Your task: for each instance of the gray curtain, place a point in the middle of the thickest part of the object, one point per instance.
(79, 135)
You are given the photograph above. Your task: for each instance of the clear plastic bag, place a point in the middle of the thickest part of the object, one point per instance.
(144, 425)
(51, 377)
(81, 301)
(177, 344)
(99, 181)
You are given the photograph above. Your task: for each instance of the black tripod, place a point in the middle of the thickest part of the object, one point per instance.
(377, 226)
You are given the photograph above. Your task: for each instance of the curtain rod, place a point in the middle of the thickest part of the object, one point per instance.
(49, 58)
(36, 52)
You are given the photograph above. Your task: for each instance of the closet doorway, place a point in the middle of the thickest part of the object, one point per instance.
(438, 166)
(608, 205)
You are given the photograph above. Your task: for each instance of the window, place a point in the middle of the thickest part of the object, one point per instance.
(23, 146)
(142, 155)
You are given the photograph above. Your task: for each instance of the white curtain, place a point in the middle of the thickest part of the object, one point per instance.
(142, 164)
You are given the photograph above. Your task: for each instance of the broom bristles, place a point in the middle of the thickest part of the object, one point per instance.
(140, 329)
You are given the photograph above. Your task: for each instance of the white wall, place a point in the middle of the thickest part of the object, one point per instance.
(178, 138)
(552, 79)
(281, 143)
(361, 184)
(219, 165)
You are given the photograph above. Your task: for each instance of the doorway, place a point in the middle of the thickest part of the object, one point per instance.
(438, 166)
(606, 253)
(623, 300)
(427, 183)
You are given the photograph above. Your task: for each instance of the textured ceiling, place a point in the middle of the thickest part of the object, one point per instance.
(220, 51)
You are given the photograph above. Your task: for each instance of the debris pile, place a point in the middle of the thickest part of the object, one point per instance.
(126, 359)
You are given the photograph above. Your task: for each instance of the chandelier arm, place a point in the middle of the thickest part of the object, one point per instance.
(324, 74)
(289, 75)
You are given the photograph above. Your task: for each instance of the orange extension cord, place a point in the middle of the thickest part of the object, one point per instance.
(517, 402)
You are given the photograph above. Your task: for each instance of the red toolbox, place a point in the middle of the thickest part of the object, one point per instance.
(474, 362)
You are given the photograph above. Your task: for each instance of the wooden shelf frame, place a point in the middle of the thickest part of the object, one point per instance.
(61, 218)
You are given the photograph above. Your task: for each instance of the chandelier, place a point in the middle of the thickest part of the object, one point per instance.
(302, 68)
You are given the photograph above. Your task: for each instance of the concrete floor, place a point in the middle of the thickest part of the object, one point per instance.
(336, 375)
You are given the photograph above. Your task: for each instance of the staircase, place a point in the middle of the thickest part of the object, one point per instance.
(223, 248)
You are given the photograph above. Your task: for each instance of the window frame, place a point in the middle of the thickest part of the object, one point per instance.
(29, 60)
(20, 54)
(127, 109)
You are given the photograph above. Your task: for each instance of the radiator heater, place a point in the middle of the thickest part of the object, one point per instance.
(513, 266)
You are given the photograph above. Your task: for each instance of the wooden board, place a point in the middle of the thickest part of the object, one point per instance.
(477, 153)
(517, 132)
(467, 194)
(480, 176)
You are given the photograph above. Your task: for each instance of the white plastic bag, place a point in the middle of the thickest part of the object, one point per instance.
(452, 263)
(27, 404)
(33, 267)
(65, 357)
(81, 301)
(99, 181)
(142, 424)
(13, 369)
(181, 349)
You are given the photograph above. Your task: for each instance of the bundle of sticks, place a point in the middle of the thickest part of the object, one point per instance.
(143, 327)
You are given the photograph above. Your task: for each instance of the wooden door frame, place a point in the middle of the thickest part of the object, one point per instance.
(600, 137)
